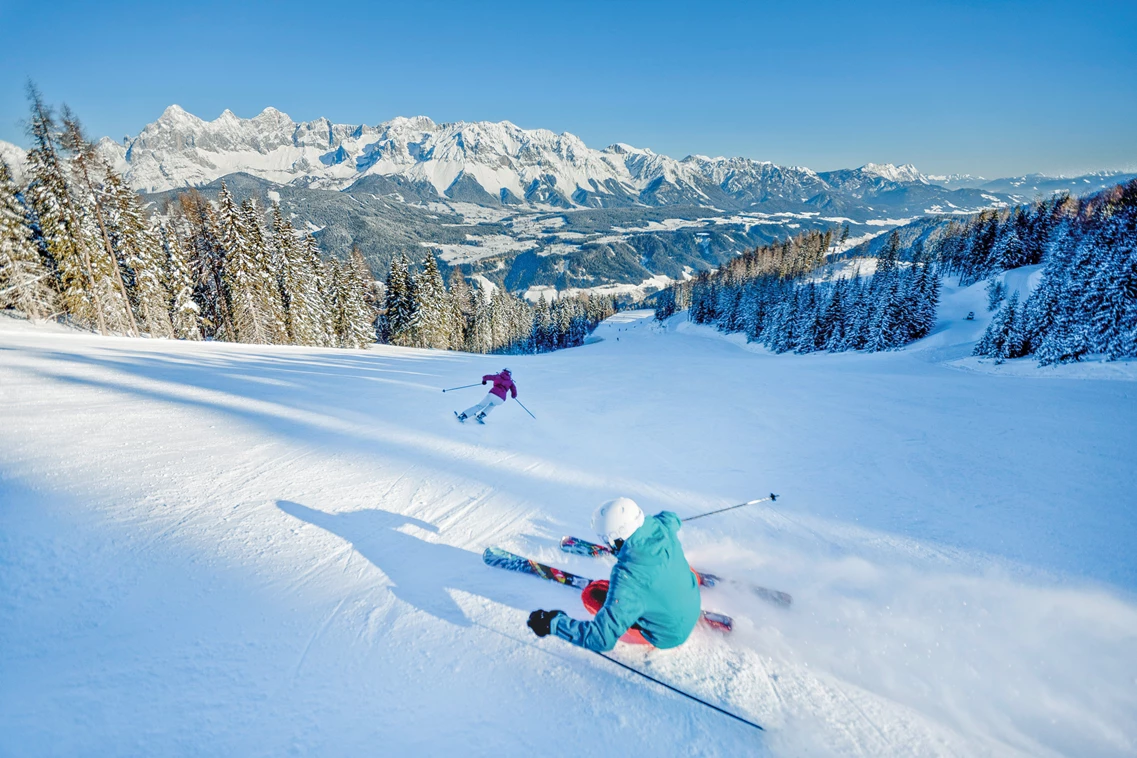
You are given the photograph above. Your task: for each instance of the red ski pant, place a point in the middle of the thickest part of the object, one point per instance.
(593, 597)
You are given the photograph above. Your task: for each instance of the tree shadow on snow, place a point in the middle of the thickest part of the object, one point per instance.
(422, 573)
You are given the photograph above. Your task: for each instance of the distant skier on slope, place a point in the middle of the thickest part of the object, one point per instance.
(502, 383)
(652, 596)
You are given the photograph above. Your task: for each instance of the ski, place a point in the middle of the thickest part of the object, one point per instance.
(498, 558)
(577, 546)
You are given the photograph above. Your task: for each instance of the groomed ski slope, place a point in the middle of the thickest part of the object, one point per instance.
(233, 550)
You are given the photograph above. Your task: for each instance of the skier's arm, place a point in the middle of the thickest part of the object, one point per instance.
(487, 377)
(622, 608)
(513, 389)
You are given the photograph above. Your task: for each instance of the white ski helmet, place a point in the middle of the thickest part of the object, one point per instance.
(617, 520)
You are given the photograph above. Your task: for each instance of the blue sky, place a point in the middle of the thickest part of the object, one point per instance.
(992, 88)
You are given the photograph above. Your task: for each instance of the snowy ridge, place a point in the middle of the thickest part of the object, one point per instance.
(503, 160)
(899, 174)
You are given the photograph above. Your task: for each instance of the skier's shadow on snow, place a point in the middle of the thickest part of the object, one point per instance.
(420, 572)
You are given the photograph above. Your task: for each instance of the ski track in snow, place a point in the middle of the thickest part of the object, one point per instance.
(223, 549)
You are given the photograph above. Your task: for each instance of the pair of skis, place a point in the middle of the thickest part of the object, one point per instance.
(498, 558)
(461, 420)
(577, 546)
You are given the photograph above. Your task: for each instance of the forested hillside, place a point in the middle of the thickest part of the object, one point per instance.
(1086, 302)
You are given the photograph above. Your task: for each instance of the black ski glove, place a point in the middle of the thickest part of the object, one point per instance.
(541, 622)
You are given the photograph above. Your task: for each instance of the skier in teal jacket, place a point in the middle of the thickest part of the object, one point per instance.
(652, 590)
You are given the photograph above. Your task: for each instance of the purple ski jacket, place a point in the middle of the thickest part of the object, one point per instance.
(502, 383)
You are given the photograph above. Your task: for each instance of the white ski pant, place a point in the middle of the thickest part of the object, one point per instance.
(489, 402)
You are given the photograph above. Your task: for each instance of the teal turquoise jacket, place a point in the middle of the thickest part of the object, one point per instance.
(651, 585)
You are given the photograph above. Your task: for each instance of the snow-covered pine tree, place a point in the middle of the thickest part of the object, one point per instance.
(665, 304)
(206, 256)
(138, 246)
(26, 284)
(927, 289)
(1002, 339)
(544, 336)
(250, 322)
(400, 303)
(996, 293)
(265, 274)
(324, 288)
(89, 174)
(479, 339)
(305, 309)
(185, 314)
(462, 308)
(58, 220)
(432, 323)
(1008, 251)
(807, 319)
(1114, 315)
(360, 314)
(778, 331)
(831, 326)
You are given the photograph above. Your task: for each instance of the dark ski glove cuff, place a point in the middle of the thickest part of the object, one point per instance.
(541, 622)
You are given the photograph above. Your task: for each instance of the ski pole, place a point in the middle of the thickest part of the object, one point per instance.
(678, 691)
(772, 497)
(524, 408)
(464, 386)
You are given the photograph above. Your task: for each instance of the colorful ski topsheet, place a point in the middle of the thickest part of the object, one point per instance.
(495, 556)
(577, 546)
(498, 558)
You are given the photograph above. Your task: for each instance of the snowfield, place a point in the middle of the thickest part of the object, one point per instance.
(231, 550)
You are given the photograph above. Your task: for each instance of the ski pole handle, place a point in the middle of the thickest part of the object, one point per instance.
(524, 408)
(771, 498)
(464, 386)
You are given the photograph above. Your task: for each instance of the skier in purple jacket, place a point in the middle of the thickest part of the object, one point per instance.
(502, 384)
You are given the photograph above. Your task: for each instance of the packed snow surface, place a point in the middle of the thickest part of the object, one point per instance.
(234, 550)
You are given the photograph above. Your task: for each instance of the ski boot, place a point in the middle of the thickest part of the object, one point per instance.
(461, 416)
(481, 417)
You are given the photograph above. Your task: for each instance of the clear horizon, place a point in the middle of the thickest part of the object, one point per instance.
(989, 89)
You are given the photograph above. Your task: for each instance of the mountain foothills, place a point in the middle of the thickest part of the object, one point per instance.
(530, 210)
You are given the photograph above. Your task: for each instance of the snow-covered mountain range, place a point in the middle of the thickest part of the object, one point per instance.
(498, 163)
(487, 163)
